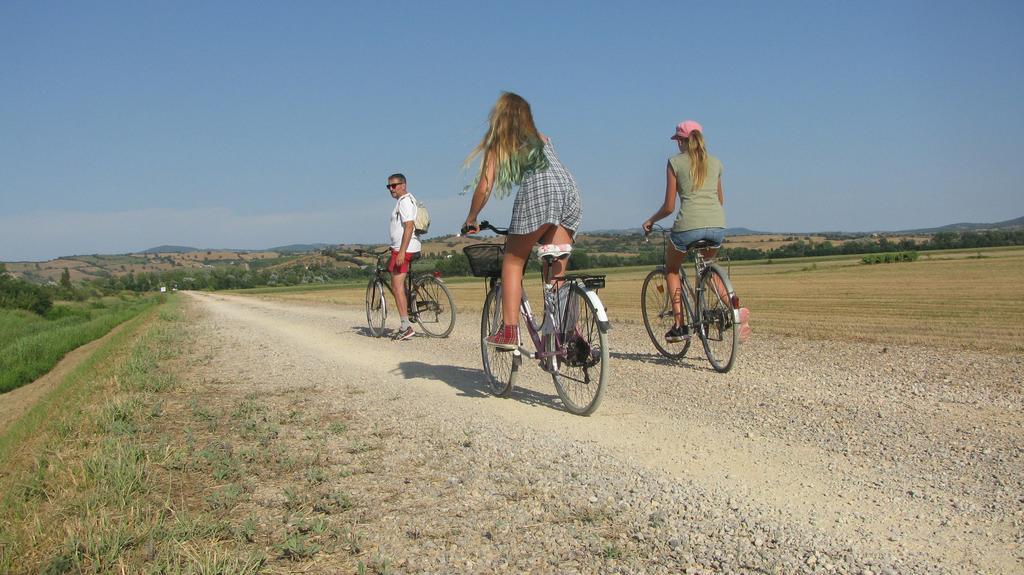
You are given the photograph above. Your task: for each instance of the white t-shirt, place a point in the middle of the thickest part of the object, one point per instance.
(405, 211)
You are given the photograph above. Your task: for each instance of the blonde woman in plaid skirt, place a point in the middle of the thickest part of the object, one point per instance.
(547, 208)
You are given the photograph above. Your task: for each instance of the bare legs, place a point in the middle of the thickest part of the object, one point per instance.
(673, 260)
(517, 252)
(398, 289)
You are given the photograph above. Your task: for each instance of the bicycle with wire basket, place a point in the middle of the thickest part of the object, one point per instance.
(710, 310)
(430, 303)
(570, 343)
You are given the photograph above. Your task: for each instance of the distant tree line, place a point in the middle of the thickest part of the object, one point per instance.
(16, 293)
(871, 245)
(229, 277)
(454, 263)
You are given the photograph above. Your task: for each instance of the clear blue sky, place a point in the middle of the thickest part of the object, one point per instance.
(248, 125)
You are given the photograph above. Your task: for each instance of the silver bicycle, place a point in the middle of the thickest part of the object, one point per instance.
(710, 310)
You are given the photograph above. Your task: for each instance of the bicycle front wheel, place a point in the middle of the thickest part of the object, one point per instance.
(656, 302)
(435, 310)
(376, 307)
(717, 327)
(583, 366)
(500, 366)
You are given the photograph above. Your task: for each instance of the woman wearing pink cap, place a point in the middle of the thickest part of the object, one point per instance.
(695, 176)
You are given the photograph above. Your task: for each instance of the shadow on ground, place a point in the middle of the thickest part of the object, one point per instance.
(365, 332)
(470, 382)
(656, 359)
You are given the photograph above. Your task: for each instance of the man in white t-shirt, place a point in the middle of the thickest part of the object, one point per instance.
(405, 247)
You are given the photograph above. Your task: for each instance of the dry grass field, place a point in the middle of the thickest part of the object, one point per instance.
(945, 299)
(958, 301)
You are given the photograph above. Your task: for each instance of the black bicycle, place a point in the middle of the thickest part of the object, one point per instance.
(430, 302)
(571, 342)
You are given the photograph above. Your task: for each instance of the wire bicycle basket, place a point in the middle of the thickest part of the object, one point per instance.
(485, 259)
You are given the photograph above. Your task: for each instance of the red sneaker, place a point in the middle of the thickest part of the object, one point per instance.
(507, 337)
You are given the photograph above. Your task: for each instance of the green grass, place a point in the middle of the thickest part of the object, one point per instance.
(111, 472)
(31, 345)
(16, 324)
(64, 400)
(83, 490)
(109, 476)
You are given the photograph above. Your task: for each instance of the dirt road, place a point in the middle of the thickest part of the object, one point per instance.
(808, 456)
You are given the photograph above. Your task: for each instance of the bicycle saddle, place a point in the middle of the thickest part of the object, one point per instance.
(700, 245)
(554, 251)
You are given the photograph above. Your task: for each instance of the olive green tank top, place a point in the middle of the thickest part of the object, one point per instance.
(698, 208)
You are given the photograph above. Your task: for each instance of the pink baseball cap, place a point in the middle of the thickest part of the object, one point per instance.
(684, 128)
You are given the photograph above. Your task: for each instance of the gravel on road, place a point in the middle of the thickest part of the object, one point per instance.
(808, 457)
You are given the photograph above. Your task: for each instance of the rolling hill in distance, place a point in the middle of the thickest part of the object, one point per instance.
(167, 257)
(289, 249)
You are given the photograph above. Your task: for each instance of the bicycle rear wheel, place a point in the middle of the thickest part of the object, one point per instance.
(583, 369)
(376, 307)
(656, 304)
(435, 310)
(500, 366)
(718, 329)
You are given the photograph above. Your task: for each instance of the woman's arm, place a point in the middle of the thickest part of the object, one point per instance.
(669, 205)
(481, 193)
(721, 196)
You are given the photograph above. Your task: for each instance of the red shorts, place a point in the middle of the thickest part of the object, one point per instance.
(396, 267)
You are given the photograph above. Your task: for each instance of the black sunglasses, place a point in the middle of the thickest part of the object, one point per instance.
(393, 186)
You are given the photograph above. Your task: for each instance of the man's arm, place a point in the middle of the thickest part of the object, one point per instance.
(408, 228)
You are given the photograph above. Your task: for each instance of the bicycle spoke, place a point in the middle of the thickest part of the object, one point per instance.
(658, 315)
(376, 307)
(582, 366)
(500, 366)
(717, 326)
(434, 308)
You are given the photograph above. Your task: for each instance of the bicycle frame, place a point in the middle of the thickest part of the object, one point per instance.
(382, 274)
(569, 339)
(526, 311)
(690, 313)
(536, 335)
(700, 264)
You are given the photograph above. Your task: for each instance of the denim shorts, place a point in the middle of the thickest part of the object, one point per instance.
(682, 239)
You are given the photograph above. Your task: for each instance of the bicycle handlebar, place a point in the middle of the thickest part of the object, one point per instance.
(647, 235)
(484, 225)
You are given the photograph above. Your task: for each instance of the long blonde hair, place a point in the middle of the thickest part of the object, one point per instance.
(698, 158)
(512, 142)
